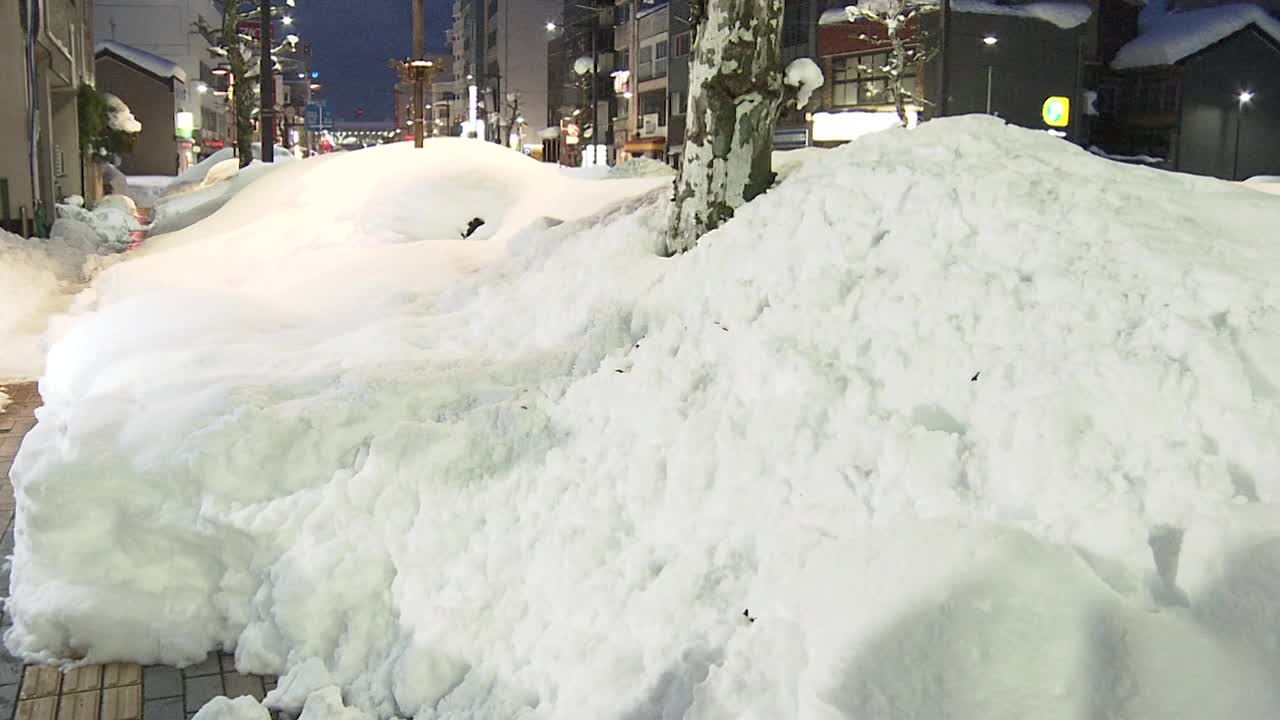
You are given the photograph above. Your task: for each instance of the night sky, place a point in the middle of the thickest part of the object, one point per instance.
(351, 41)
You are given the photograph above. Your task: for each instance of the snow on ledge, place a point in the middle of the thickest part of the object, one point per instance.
(155, 64)
(1065, 15)
(1179, 35)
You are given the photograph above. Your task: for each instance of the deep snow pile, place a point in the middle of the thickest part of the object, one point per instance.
(915, 435)
(38, 278)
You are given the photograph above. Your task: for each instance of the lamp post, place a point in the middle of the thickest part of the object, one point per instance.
(990, 41)
(944, 39)
(1242, 99)
(419, 48)
(267, 89)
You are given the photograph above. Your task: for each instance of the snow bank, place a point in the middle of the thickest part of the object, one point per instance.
(914, 435)
(190, 204)
(37, 281)
(640, 167)
(1166, 39)
(196, 173)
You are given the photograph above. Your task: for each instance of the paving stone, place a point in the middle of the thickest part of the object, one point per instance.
(40, 681)
(122, 703)
(81, 679)
(79, 706)
(160, 682)
(163, 709)
(10, 671)
(228, 662)
(37, 709)
(237, 685)
(208, 666)
(8, 699)
(120, 674)
(201, 690)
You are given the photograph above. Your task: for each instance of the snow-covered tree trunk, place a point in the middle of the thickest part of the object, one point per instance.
(900, 21)
(735, 91)
(242, 100)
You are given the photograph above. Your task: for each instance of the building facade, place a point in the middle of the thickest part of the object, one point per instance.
(166, 28)
(581, 92)
(1182, 98)
(46, 51)
(500, 48)
(150, 86)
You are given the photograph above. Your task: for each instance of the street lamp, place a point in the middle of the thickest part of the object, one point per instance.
(287, 20)
(1242, 99)
(991, 40)
(551, 26)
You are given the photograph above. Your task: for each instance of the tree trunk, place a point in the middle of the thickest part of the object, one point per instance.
(735, 91)
(242, 100)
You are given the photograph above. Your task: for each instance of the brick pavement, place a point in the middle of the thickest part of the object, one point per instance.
(118, 691)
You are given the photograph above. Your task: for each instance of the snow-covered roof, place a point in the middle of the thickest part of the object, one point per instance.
(1062, 14)
(154, 64)
(1178, 35)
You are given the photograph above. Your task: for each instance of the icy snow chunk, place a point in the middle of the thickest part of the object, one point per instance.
(326, 704)
(292, 690)
(223, 708)
(221, 172)
(804, 75)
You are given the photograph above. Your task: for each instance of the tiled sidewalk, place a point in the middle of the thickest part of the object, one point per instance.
(99, 692)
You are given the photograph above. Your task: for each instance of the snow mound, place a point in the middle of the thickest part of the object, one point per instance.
(637, 167)
(197, 173)
(914, 435)
(1166, 39)
(37, 281)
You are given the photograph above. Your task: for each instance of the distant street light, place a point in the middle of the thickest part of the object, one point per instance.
(202, 88)
(551, 26)
(1243, 99)
(287, 20)
(991, 39)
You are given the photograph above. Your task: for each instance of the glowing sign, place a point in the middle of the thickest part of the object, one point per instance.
(1057, 112)
(184, 125)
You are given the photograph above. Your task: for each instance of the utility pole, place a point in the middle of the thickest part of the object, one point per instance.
(595, 84)
(268, 86)
(944, 43)
(419, 49)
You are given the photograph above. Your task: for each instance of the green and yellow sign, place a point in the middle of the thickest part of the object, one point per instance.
(1057, 111)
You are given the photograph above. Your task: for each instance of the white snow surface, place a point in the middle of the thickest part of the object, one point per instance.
(1065, 15)
(164, 67)
(38, 278)
(197, 172)
(934, 423)
(1168, 38)
(640, 167)
(804, 75)
(120, 117)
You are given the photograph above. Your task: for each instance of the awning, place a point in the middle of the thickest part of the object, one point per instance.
(649, 144)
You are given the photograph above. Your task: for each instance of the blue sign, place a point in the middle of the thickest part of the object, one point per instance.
(318, 116)
(315, 74)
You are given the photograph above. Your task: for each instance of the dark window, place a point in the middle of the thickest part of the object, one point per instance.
(493, 37)
(679, 103)
(654, 103)
(493, 7)
(864, 80)
(680, 45)
(795, 26)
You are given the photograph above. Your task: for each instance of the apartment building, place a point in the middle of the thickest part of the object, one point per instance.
(46, 50)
